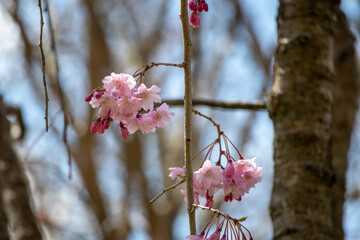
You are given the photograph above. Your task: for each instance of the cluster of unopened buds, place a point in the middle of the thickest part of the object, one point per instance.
(228, 228)
(195, 7)
(235, 179)
(129, 106)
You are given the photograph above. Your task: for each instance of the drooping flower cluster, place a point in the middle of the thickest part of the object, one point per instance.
(129, 106)
(236, 179)
(228, 228)
(195, 6)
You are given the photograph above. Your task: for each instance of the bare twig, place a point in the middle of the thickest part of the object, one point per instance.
(141, 71)
(218, 130)
(254, 105)
(61, 92)
(43, 67)
(225, 215)
(187, 112)
(165, 190)
(208, 118)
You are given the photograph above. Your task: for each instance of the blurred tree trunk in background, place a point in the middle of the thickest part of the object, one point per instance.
(300, 105)
(345, 107)
(16, 212)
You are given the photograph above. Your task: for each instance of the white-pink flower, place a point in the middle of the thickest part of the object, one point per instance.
(161, 116)
(119, 100)
(119, 84)
(105, 101)
(142, 122)
(239, 178)
(207, 180)
(149, 96)
(251, 178)
(175, 172)
(127, 107)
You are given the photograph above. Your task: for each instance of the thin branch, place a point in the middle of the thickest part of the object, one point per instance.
(146, 68)
(225, 215)
(43, 67)
(187, 112)
(254, 105)
(218, 130)
(208, 118)
(61, 92)
(165, 190)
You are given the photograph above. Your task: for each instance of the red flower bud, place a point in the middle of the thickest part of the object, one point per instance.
(194, 19)
(192, 5)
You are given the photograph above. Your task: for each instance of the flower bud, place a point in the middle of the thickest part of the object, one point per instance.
(194, 19)
(88, 98)
(192, 5)
(200, 7)
(205, 6)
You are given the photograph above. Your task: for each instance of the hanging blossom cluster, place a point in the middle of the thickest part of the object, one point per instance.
(195, 7)
(235, 179)
(129, 106)
(228, 228)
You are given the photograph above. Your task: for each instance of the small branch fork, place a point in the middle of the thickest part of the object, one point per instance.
(43, 66)
(165, 190)
(226, 153)
(141, 71)
(225, 215)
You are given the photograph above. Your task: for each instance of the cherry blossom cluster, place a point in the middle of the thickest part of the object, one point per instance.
(195, 6)
(129, 106)
(228, 228)
(235, 179)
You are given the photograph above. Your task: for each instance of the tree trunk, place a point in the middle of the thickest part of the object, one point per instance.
(346, 94)
(15, 202)
(300, 105)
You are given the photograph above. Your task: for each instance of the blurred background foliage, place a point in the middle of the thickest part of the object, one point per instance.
(113, 179)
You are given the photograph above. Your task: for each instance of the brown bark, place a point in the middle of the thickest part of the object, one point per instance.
(300, 105)
(4, 234)
(14, 188)
(346, 94)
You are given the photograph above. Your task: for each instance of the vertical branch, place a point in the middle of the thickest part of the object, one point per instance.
(57, 75)
(187, 112)
(43, 66)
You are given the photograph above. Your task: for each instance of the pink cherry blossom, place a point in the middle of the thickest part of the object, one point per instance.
(122, 102)
(175, 172)
(161, 116)
(207, 180)
(119, 84)
(252, 177)
(148, 95)
(239, 178)
(127, 107)
(244, 165)
(142, 122)
(106, 102)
